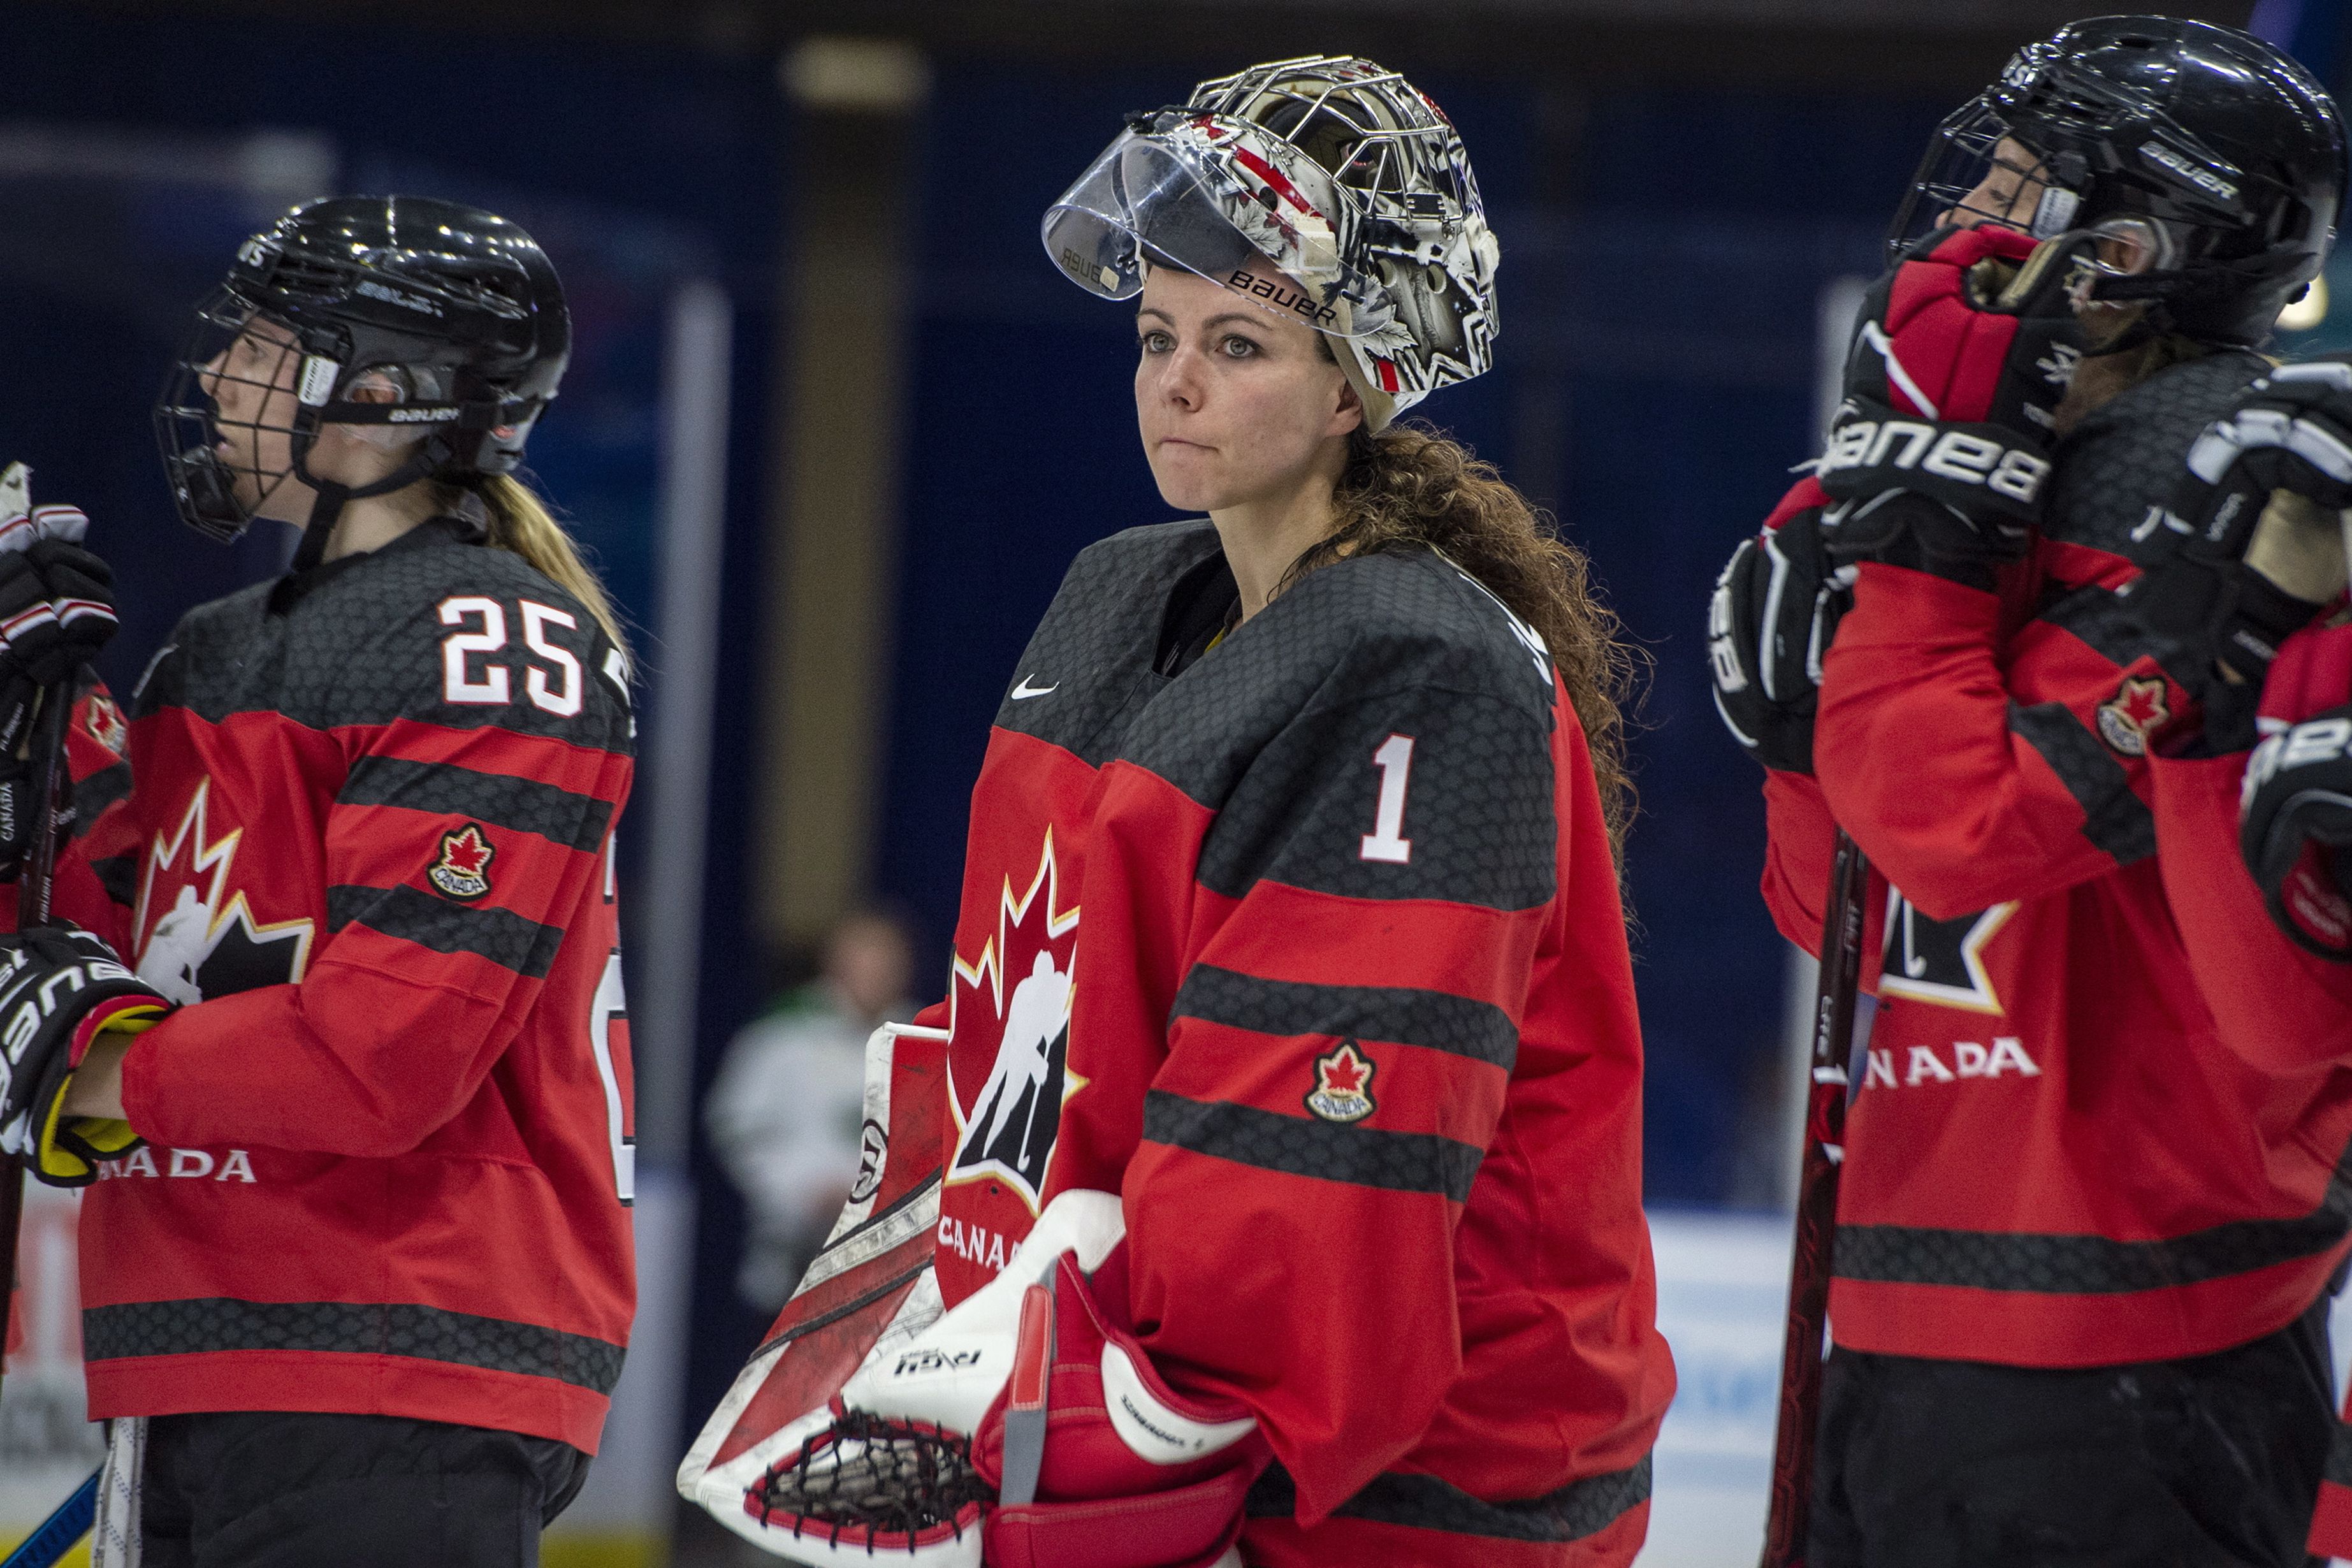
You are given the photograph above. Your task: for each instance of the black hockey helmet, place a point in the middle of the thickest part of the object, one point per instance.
(456, 314)
(2228, 151)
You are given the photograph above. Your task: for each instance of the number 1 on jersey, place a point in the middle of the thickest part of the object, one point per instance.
(1386, 841)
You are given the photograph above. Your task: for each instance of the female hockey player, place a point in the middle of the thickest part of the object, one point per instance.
(1344, 1044)
(2255, 840)
(356, 1268)
(2083, 1251)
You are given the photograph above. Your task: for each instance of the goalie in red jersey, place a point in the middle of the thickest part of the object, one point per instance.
(1269, 1189)
(355, 1266)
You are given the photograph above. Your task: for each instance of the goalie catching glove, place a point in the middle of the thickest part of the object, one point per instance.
(1938, 456)
(2249, 548)
(61, 987)
(1025, 1428)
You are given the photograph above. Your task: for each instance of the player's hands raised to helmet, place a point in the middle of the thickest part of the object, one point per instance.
(1938, 456)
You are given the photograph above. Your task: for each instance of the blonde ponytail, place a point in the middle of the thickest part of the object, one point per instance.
(521, 523)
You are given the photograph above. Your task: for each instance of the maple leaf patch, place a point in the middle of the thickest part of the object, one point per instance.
(2136, 711)
(463, 870)
(1343, 1084)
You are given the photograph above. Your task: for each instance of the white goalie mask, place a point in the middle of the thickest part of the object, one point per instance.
(1340, 173)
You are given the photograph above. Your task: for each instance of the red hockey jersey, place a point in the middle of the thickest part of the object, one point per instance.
(1349, 1021)
(361, 830)
(2052, 1159)
(2278, 1006)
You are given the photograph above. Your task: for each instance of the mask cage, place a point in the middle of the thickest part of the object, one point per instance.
(1327, 121)
(1961, 157)
(278, 388)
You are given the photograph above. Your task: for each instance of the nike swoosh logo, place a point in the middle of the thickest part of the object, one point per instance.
(1024, 690)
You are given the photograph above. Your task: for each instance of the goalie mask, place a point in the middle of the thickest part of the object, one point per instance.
(1346, 178)
(2214, 157)
(439, 329)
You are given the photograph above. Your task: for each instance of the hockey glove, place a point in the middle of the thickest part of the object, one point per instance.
(1775, 610)
(56, 610)
(2249, 551)
(1938, 456)
(2296, 809)
(60, 987)
(1028, 1422)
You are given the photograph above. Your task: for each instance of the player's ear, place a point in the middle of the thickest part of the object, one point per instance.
(1347, 412)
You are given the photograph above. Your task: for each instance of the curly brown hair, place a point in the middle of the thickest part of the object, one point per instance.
(1413, 487)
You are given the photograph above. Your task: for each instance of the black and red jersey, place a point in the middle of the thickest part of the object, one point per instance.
(2052, 1158)
(361, 827)
(2281, 1008)
(1312, 949)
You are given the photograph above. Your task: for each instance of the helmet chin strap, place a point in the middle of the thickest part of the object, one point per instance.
(329, 498)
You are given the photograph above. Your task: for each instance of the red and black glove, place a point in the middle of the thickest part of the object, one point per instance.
(61, 987)
(56, 610)
(2295, 811)
(1938, 456)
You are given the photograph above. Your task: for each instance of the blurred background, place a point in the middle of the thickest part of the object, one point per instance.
(835, 428)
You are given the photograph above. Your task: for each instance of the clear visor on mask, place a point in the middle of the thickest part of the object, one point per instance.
(1149, 200)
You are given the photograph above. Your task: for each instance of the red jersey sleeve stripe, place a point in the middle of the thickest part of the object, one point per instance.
(1402, 1015)
(2114, 818)
(561, 815)
(1338, 1152)
(501, 936)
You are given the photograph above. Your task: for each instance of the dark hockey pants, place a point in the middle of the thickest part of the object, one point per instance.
(270, 1490)
(2202, 1463)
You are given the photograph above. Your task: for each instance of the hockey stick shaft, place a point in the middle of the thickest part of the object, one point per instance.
(1817, 1187)
(33, 886)
(60, 1532)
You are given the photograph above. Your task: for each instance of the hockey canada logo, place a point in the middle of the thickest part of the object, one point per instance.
(2135, 712)
(1006, 1134)
(105, 722)
(195, 937)
(463, 871)
(1343, 1084)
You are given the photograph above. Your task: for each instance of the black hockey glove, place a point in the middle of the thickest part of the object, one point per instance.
(2296, 831)
(1775, 609)
(1938, 456)
(2250, 551)
(60, 987)
(2295, 812)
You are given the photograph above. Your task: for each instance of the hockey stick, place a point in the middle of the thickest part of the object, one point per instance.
(60, 1532)
(1817, 1187)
